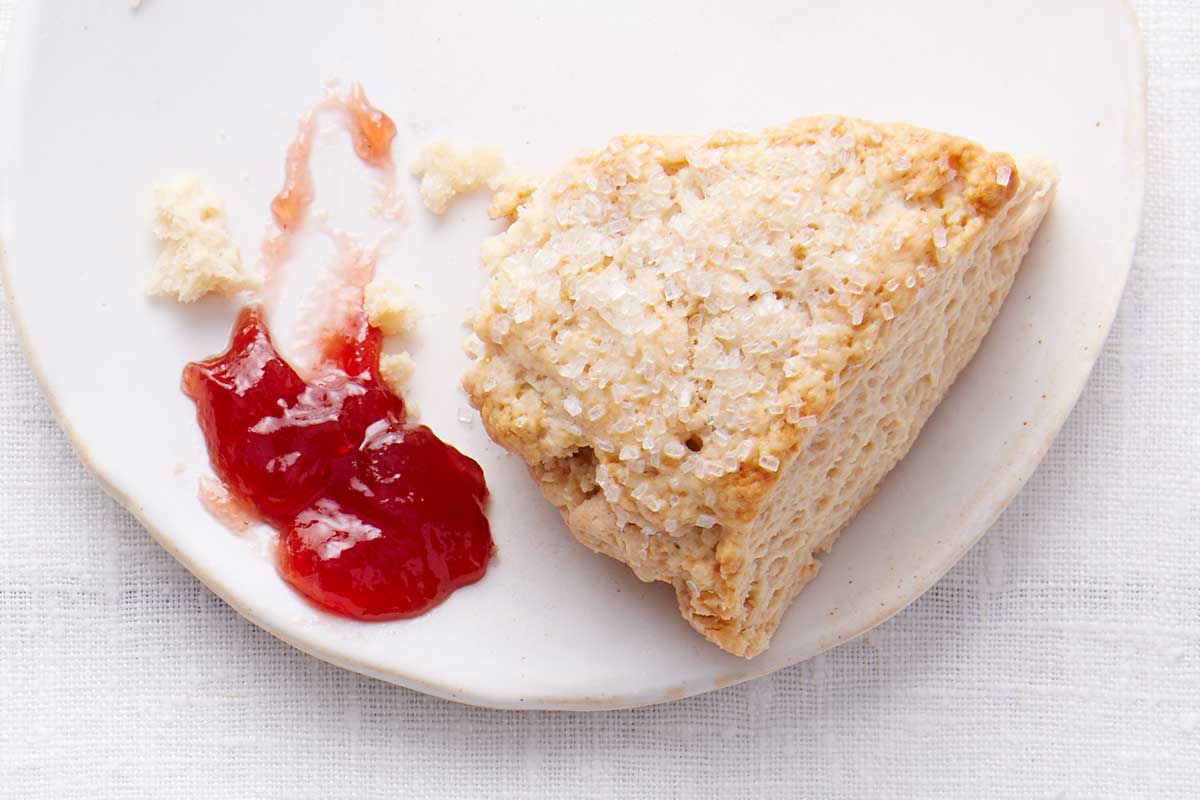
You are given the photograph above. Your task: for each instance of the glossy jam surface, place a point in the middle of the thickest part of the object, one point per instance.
(371, 129)
(290, 206)
(377, 518)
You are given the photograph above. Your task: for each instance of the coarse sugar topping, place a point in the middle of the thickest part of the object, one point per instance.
(684, 310)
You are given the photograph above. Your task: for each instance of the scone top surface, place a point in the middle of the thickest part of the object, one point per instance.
(679, 312)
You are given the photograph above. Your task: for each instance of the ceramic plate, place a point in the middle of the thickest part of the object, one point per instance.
(100, 102)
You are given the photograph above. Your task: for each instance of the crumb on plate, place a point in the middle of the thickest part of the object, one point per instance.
(199, 256)
(388, 308)
(447, 170)
(396, 370)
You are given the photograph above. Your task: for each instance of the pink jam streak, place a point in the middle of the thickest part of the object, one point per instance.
(371, 134)
(229, 510)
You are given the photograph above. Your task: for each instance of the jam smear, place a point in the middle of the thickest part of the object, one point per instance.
(371, 133)
(371, 130)
(290, 206)
(378, 519)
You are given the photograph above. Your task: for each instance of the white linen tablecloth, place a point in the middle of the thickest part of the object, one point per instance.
(1060, 659)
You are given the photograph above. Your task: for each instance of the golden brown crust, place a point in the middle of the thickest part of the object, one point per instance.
(948, 182)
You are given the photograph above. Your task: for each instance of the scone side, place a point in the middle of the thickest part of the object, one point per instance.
(978, 299)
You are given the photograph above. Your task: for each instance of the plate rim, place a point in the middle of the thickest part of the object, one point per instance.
(1025, 465)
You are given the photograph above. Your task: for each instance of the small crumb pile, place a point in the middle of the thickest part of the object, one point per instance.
(199, 256)
(397, 370)
(389, 310)
(447, 170)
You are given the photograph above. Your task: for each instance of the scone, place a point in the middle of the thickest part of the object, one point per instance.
(710, 351)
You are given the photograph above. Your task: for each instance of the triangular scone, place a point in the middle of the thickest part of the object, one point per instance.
(710, 351)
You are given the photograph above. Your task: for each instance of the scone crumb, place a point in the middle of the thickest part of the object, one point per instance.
(511, 192)
(388, 308)
(396, 369)
(199, 256)
(447, 170)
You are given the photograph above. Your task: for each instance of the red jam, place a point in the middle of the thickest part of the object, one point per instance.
(378, 519)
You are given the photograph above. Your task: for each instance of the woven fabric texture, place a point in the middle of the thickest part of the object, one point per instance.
(1059, 659)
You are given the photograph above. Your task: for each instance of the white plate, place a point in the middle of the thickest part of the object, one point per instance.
(100, 102)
